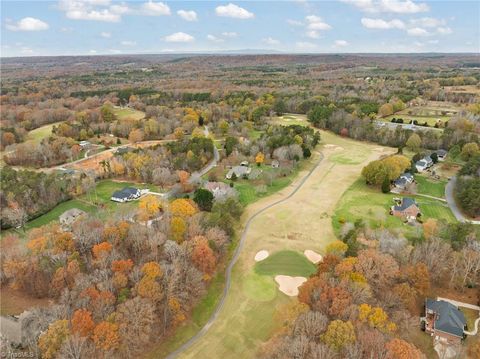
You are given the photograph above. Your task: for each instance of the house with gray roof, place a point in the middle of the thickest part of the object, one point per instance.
(240, 172)
(406, 208)
(67, 218)
(444, 321)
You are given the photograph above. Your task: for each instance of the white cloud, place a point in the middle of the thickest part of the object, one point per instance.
(294, 22)
(444, 30)
(128, 43)
(187, 15)
(403, 7)
(270, 41)
(106, 35)
(179, 37)
(417, 31)
(312, 34)
(341, 43)
(229, 34)
(316, 23)
(88, 10)
(92, 51)
(155, 9)
(433, 42)
(234, 11)
(427, 22)
(115, 51)
(214, 38)
(390, 6)
(382, 24)
(28, 24)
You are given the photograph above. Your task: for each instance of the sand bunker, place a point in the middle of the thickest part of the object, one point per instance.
(289, 285)
(334, 147)
(312, 256)
(261, 255)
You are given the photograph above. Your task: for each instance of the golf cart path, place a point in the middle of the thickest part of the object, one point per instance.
(235, 257)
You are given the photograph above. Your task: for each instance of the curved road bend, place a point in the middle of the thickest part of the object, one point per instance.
(450, 197)
(236, 254)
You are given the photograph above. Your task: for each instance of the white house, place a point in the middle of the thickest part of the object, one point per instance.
(424, 164)
(128, 194)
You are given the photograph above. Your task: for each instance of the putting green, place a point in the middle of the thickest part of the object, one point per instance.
(259, 287)
(286, 263)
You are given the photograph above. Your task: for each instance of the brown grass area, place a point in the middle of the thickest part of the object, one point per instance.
(15, 302)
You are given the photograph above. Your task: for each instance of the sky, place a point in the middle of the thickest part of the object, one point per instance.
(96, 27)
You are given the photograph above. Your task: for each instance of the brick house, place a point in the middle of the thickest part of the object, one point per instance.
(444, 321)
(407, 209)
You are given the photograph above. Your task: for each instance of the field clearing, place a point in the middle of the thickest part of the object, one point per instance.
(463, 89)
(15, 302)
(291, 119)
(301, 222)
(128, 113)
(38, 134)
(430, 187)
(430, 120)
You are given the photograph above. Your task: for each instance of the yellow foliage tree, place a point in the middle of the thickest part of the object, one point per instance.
(337, 248)
(178, 228)
(183, 208)
(339, 334)
(51, 341)
(149, 207)
(152, 270)
(259, 158)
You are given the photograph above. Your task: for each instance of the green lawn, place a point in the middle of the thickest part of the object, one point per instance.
(371, 205)
(123, 113)
(40, 133)
(57, 211)
(430, 187)
(286, 263)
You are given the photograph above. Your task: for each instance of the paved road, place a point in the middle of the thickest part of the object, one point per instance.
(236, 254)
(449, 195)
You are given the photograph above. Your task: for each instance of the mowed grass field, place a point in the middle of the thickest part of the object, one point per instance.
(38, 134)
(430, 187)
(362, 202)
(303, 221)
(124, 113)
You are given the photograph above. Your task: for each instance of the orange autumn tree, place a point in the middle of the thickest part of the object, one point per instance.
(183, 208)
(101, 249)
(183, 177)
(152, 270)
(82, 323)
(105, 336)
(122, 265)
(400, 349)
(203, 257)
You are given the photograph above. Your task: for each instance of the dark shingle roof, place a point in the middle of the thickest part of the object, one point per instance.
(449, 319)
(406, 202)
(125, 193)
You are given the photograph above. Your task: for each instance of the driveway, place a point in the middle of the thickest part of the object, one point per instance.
(450, 197)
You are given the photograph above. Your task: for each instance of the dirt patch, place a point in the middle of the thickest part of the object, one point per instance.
(312, 256)
(261, 255)
(15, 302)
(289, 285)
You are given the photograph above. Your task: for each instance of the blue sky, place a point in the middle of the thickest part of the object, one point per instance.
(86, 27)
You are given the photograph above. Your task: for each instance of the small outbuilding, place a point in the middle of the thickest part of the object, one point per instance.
(240, 172)
(67, 218)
